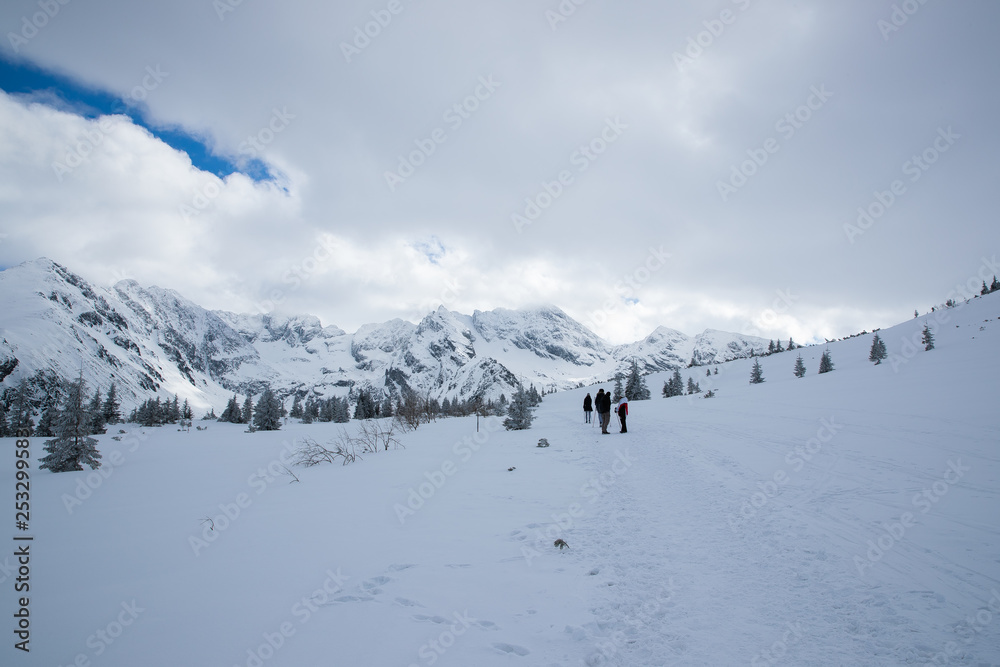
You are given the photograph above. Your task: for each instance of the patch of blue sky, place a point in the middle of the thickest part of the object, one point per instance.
(29, 82)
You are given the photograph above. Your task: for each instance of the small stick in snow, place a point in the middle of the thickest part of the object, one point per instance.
(561, 543)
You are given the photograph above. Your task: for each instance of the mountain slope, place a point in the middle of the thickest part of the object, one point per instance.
(154, 341)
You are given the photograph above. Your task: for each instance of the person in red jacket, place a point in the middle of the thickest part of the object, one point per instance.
(622, 411)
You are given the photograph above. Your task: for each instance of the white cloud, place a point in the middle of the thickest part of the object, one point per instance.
(445, 236)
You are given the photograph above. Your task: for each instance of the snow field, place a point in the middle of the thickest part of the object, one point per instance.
(845, 518)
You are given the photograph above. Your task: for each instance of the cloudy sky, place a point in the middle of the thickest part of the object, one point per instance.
(694, 165)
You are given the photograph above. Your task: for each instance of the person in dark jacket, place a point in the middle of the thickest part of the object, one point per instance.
(603, 405)
(588, 407)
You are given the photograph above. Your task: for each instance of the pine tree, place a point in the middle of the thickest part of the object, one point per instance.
(310, 411)
(800, 367)
(71, 447)
(232, 414)
(173, 411)
(47, 420)
(434, 407)
(365, 408)
(96, 411)
(534, 398)
(341, 410)
(778, 348)
(985, 290)
(791, 344)
(4, 424)
(617, 392)
(519, 414)
(186, 413)
(995, 285)
(246, 414)
(928, 338)
(825, 362)
(21, 411)
(267, 414)
(296, 412)
(770, 347)
(150, 413)
(635, 386)
(692, 387)
(111, 406)
(878, 352)
(387, 407)
(708, 373)
(674, 386)
(756, 374)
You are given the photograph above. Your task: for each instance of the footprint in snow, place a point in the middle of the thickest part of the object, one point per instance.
(403, 602)
(400, 568)
(432, 619)
(511, 648)
(375, 582)
(354, 598)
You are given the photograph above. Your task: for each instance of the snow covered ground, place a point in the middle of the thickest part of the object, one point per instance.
(851, 518)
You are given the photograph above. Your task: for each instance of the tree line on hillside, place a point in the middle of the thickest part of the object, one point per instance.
(876, 354)
(19, 405)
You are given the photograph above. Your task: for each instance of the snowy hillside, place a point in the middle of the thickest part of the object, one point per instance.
(154, 341)
(848, 518)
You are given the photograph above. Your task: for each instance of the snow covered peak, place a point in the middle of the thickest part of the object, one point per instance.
(155, 341)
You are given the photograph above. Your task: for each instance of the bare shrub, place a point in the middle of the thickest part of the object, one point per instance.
(377, 435)
(411, 411)
(374, 436)
(311, 453)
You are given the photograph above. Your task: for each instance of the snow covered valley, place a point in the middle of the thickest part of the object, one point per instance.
(849, 518)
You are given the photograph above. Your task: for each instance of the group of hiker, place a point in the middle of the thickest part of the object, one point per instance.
(602, 404)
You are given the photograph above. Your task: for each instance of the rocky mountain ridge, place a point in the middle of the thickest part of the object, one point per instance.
(153, 341)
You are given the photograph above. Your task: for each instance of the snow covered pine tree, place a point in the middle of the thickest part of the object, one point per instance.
(519, 415)
(72, 447)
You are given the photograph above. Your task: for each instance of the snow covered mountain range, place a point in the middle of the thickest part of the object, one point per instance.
(153, 341)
